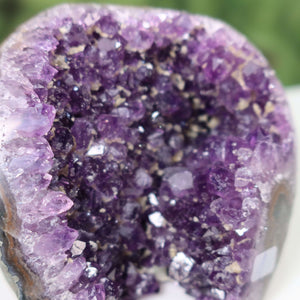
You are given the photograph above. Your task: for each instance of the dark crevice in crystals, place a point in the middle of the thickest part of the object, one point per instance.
(134, 141)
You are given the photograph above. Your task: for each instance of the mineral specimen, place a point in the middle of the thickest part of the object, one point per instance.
(135, 140)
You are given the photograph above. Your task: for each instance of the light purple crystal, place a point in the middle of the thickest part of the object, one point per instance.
(140, 139)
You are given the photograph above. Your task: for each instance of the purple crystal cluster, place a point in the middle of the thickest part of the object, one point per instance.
(141, 140)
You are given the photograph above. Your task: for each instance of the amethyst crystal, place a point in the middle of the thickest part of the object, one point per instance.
(135, 140)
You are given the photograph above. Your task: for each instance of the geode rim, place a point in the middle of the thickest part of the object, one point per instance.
(26, 118)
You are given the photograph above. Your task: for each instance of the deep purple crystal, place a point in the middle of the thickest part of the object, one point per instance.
(138, 140)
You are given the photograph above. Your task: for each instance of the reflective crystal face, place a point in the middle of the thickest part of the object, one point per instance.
(145, 140)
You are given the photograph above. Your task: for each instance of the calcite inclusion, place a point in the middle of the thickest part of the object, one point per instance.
(136, 140)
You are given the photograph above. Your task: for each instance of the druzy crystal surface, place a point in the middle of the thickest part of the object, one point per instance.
(136, 145)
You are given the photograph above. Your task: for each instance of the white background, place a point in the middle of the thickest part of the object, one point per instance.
(285, 284)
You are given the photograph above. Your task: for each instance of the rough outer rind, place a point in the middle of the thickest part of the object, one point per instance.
(25, 119)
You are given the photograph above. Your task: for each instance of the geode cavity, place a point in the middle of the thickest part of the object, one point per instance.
(136, 140)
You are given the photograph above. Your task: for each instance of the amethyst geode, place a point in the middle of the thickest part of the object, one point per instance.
(137, 142)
